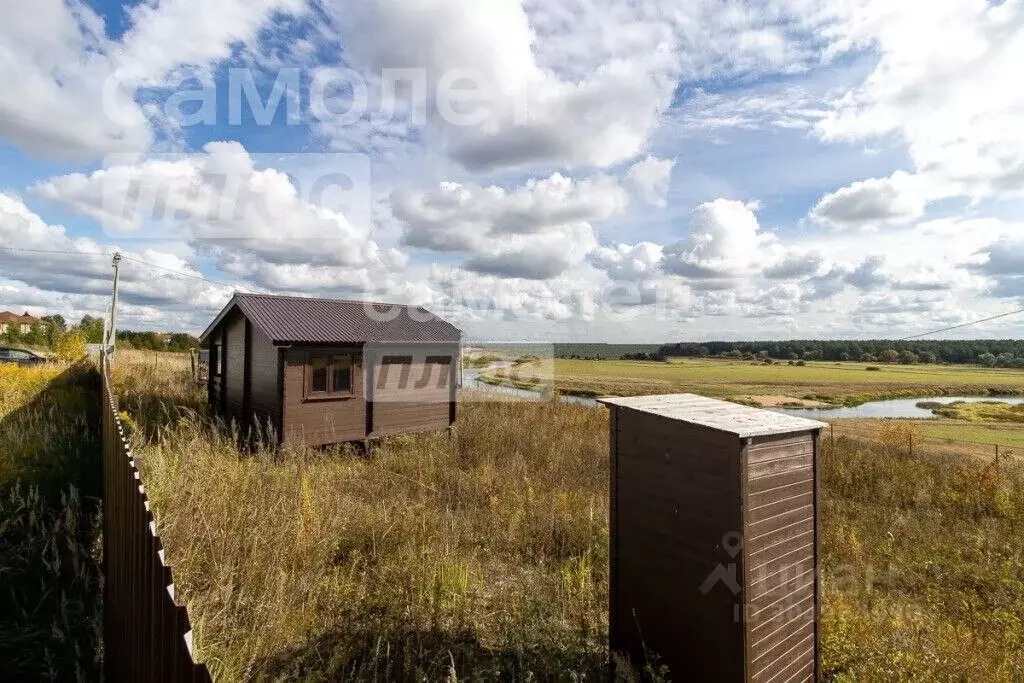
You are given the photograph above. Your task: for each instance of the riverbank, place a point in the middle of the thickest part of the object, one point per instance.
(815, 384)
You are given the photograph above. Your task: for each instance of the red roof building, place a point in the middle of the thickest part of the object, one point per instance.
(19, 323)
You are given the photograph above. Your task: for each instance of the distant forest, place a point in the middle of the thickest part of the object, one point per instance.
(991, 352)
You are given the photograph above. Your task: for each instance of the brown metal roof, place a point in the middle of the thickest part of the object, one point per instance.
(300, 320)
(8, 317)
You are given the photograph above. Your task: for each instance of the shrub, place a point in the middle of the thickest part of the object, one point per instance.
(70, 346)
(872, 368)
(899, 435)
(908, 357)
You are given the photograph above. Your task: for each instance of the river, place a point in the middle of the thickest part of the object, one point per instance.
(471, 380)
(900, 407)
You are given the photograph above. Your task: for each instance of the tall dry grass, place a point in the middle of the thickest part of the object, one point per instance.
(50, 546)
(486, 558)
(923, 573)
(484, 555)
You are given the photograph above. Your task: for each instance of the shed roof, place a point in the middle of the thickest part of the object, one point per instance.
(302, 320)
(712, 413)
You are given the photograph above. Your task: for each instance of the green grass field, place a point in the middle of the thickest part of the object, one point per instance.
(978, 433)
(848, 383)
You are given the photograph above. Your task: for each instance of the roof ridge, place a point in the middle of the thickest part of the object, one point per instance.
(327, 299)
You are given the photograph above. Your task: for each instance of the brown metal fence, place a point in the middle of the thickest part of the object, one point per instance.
(147, 636)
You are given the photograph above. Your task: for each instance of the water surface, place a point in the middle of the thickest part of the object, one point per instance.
(898, 407)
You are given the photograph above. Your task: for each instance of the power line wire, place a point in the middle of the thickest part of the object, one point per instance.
(108, 254)
(105, 254)
(957, 327)
(180, 273)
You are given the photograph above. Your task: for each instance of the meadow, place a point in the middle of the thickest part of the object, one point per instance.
(431, 558)
(485, 556)
(50, 545)
(753, 382)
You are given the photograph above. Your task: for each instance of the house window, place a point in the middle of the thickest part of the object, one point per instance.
(218, 356)
(328, 375)
(439, 360)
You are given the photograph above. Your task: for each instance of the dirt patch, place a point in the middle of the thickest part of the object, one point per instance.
(782, 401)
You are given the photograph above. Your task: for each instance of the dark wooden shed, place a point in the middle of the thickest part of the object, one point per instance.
(324, 371)
(714, 538)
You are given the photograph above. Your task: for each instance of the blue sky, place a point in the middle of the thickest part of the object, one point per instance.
(793, 168)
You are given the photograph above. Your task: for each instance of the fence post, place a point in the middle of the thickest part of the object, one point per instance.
(997, 455)
(832, 435)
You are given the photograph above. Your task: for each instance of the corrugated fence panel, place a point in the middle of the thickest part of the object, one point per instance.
(147, 636)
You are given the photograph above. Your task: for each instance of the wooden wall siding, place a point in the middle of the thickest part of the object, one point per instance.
(321, 422)
(234, 373)
(214, 389)
(675, 496)
(713, 539)
(780, 558)
(411, 397)
(264, 402)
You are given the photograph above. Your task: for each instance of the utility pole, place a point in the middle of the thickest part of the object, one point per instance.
(109, 344)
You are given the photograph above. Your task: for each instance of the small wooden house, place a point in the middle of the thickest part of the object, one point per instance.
(323, 371)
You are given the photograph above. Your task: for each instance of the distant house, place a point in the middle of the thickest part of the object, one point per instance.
(19, 323)
(323, 371)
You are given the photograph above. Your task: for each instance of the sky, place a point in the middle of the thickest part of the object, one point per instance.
(544, 170)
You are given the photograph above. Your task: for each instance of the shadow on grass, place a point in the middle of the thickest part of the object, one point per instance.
(50, 526)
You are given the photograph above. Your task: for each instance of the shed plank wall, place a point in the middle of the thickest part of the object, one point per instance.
(412, 397)
(780, 560)
(676, 495)
(264, 402)
(321, 422)
(234, 372)
(679, 488)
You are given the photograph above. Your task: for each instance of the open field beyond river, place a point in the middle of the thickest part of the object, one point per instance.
(485, 557)
(848, 383)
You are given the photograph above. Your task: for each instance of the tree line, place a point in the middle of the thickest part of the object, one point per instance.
(90, 331)
(990, 352)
